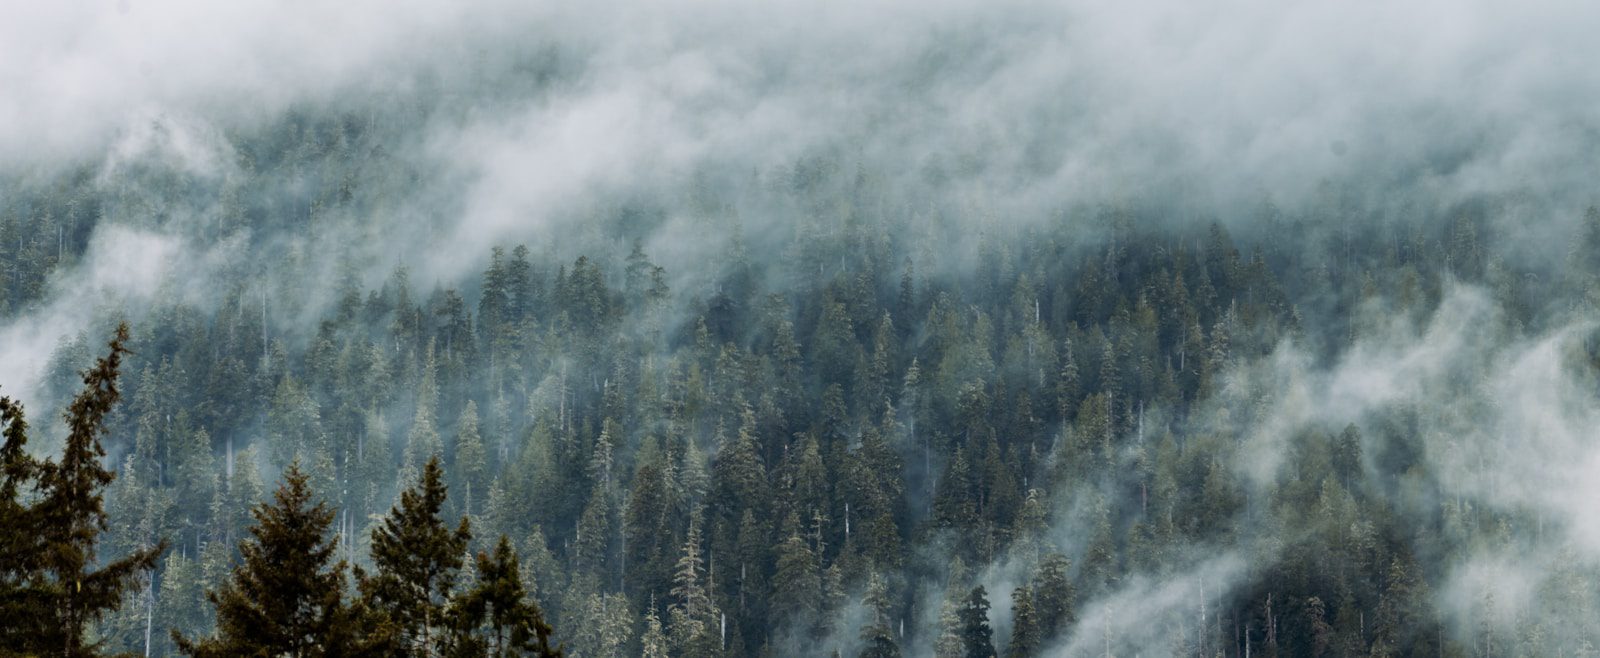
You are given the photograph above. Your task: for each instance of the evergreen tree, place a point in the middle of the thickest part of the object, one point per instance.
(797, 584)
(977, 639)
(949, 643)
(646, 529)
(603, 626)
(415, 559)
(471, 461)
(1053, 596)
(52, 583)
(693, 617)
(1024, 625)
(181, 603)
(496, 617)
(422, 441)
(654, 642)
(877, 635)
(286, 596)
(21, 601)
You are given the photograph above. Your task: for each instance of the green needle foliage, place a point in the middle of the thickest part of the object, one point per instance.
(496, 617)
(52, 585)
(416, 559)
(286, 597)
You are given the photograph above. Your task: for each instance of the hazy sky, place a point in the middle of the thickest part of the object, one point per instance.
(1234, 98)
(1005, 110)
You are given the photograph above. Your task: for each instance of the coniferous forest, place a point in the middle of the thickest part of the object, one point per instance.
(515, 332)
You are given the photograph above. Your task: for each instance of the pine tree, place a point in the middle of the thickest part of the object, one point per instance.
(20, 601)
(949, 643)
(1319, 631)
(797, 584)
(654, 642)
(1053, 596)
(1030, 527)
(422, 441)
(472, 460)
(182, 597)
(646, 529)
(692, 616)
(977, 639)
(416, 558)
(603, 626)
(286, 597)
(1024, 625)
(591, 547)
(52, 590)
(877, 634)
(497, 617)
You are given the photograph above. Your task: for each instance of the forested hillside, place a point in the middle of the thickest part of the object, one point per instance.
(844, 451)
(935, 330)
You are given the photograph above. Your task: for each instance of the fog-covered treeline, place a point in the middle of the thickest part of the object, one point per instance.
(1149, 439)
(941, 329)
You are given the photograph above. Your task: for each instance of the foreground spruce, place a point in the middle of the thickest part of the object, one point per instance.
(286, 596)
(52, 584)
(416, 559)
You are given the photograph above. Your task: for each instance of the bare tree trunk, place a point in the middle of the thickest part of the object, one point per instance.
(149, 615)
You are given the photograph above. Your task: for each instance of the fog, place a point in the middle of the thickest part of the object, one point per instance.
(584, 128)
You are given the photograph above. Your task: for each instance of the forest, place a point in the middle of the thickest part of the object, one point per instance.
(532, 337)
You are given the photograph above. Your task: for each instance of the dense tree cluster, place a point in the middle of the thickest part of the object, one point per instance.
(831, 440)
(286, 596)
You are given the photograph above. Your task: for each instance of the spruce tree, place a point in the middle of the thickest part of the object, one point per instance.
(949, 642)
(977, 639)
(416, 558)
(471, 461)
(1053, 596)
(876, 635)
(52, 590)
(797, 584)
(654, 642)
(286, 596)
(1024, 625)
(20, 603)
(497, 617)
(692, 616)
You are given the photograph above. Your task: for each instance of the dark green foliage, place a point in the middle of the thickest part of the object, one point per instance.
(495, 616)
(415, 558)
(1024, 625)
(977, 639)
(52, 583)
(1053, 596)
(796, 584)
(286, 596)
(877, 635)
(877, 391)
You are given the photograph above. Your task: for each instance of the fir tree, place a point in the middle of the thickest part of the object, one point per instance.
(416, 558)
(20, 602)
(877, 635)
(692, 616)
(51, 586)
(1053, 596)
(286, 597)
(497, 617)
(471, 461)
(977, 639)
(949, 643)
(654, 642)
(1024, 625)
(797, 584)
